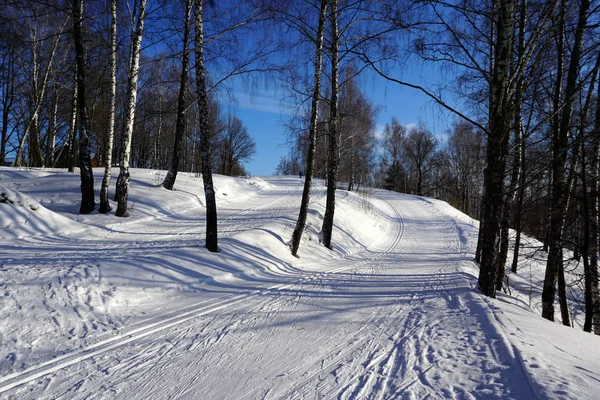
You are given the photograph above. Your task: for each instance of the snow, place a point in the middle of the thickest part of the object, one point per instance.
(94, 306)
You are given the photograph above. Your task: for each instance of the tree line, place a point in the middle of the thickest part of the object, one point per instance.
(138, 83)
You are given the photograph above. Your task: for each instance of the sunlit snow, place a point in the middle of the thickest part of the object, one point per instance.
(94, 306)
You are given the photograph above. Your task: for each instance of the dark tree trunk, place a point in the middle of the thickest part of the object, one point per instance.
(559, 185)
(171, 176)
(519, 211)
(592, 286)
(497, 150)
(517, 161)
(35, 149)
(334, 152)
(8, 81)
(209, 189)
(85, 162)
(314, 115)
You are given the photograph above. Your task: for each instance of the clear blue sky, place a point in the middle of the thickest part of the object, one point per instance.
(263, 115)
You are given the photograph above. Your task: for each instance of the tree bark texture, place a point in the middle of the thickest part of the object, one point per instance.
(314, 115)
(517, 161)
(8, 88)
(88, 202)
(594, 220)
(559, 184)
(209, 189)
(497, 150)
(104, 203)
(334, 152)
(122, 187)
(171, 176)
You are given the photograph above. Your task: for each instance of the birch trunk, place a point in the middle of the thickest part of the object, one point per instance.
(104, 202)
(559, 184)
(497, 150)
(122, 187)
(72, 128)
(8, 87)
(85, 162)
(203, 111)
(38, 94)
(593, 250)
(171, 176)
(51, 135)
(517, 161)
(314, 116)
(334, 152)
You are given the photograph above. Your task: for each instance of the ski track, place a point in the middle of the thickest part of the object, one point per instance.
(405, 324)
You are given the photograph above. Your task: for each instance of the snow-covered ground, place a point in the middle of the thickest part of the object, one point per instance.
(100, 307)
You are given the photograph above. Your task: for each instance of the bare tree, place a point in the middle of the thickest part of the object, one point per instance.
(314, 116)
(559, 193)
(334, 151)
(420, 147)
(205, 148)
(122, 187)
(104, 203)
(171, 176)
(88, 202)
(234, 146)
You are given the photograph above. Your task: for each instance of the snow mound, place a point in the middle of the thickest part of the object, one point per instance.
(8, 196)
(22, 216)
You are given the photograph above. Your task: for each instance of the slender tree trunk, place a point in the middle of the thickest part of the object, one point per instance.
(517, 161)
(334, 151)
(171, 176)
(8, 88)
(71, 155)
(39, 92)
(51, 135)
(314, 115)
(562, 294)
(585, 248)
(593, 222)
(497, 150)
(559, 186)
(104, 202)
(205, 150)
(479, 237)
(122, 189)
(85, 162)
(519, 210)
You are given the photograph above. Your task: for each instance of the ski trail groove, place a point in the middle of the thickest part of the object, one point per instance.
(177, 317)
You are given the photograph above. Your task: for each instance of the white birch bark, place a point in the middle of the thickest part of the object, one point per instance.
(104, 203)
(122, 187)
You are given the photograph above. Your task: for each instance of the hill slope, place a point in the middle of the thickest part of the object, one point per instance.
(99, 307)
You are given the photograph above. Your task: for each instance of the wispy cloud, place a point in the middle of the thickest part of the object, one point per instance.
(262, 103)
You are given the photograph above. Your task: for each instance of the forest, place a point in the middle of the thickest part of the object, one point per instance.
(141, 83)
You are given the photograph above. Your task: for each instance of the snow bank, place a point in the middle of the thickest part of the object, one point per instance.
(22, 215)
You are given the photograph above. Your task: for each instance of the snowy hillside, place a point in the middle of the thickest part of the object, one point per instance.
(94, 306)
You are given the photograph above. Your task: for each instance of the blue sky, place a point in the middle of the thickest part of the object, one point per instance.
(263, 116)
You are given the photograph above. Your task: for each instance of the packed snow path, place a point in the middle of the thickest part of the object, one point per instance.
(395, 319)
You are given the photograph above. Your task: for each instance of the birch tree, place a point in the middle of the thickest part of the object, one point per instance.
(104, 203)
(593, 319)
(333, 158)
(85, 163)
(559, 184)
(171, 176)
(122, 187)
(314, 116)
(205, 142)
